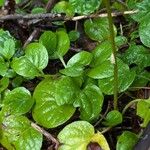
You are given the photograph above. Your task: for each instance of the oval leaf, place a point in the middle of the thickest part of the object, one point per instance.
(17, 101)
(54, 115)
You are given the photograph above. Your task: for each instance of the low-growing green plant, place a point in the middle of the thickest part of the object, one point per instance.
(81, 84)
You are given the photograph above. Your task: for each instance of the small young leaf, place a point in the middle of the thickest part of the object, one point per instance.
(82, 59)
(85, 7)
(4, 82)
(34, 61)
(75, 65)
(63, 44)
(38, 10)
(49, 40)
(3, 67)
(17, 101)
(126, 141)
(143, 110)
(8, 50)
(113, 118)
(77, 136)
(45, 97)
(18, 134)
(73, 35)
(91, 102)
(64, 7)
(98, 29)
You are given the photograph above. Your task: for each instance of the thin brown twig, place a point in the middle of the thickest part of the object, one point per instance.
(59, 17)
(46, 134)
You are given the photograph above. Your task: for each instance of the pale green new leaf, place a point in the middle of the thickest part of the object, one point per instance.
(126, 141)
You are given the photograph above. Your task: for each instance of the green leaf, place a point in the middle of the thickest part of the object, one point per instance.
(73, 35)
(98, 29)
(82, 59)
(66, 91)
(49, 40)
(18, 134)
(120, 40)
(143, 8)
(125, 79)
(34, 61)
(143, 110)
(63, 44)
(38, 10)
(126, 141)
(75, 65)
(144, 31)
(64, 7)
(3, 67)
(105, 70)
(101, 53)
(8, 50)
(85, 7)
(137, 54)
(45, 97)
(77, 135)
(91, 102)
(17, 101)
(2, 2)
(113, 118)
(73, 71)
(4, 82)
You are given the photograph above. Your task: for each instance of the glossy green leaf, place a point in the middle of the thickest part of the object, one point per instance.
(85, 7)
(17, 102)
(49, 40)
(8, 50)
(125, 79)
(45, 97)
(91, 102)
(120, 40)
(82, 58)
(75, 65)
(143, 7)
(126, 141)
(101, 53)
(4, 82)
(18, 134)
(144, 31)
(73, 35)
(105, 70)
(63, 44)
(143, 110)
(3, 67)
(97, 29)
(137, 54)
(64, 7)
(66, 91)
(77, 135)
(73, 71)
(113, 118)
(34, 61)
